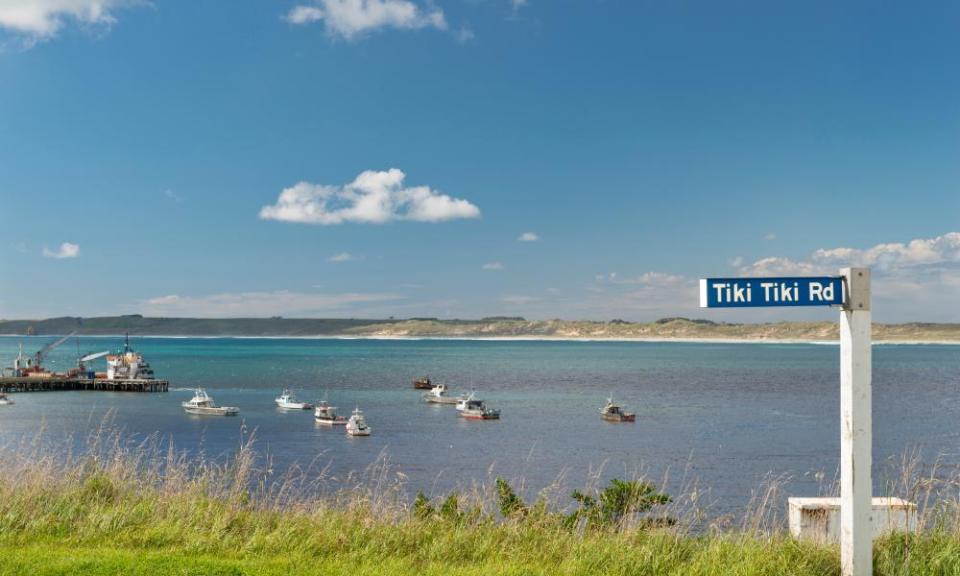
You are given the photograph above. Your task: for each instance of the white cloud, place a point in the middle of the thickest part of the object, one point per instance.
(304, 14)
(465, 35)
(66, 250)
(350, 18)
(528, 237)
(645, 279)
(518, 4)
(341, 257)
(781, 266)
(519, 300)
(770, 236)
(258, 304)
(373, 197)
(916, 280)
(43, 19)
(170, 194)
(887, 258)
(492, 266)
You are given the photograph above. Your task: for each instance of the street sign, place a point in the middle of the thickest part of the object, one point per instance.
(757, 292)
(856, 418)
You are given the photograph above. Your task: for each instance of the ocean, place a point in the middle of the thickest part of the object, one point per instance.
(727, 416)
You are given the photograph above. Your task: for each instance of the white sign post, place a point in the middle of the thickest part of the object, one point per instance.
(856, 429)
(850, 291)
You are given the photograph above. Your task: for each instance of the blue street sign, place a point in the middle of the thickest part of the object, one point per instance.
(755, 292)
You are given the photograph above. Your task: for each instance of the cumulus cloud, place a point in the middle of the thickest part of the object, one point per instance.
(770, 236)
(258, 304)
(341, 257)
(492, 266)
(66, 250)
(915, 280)
(373, 197)
(42, 19)
(889, 258)
(528, 237)
(351, 18)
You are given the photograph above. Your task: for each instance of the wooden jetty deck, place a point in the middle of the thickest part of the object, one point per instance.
(13, 384)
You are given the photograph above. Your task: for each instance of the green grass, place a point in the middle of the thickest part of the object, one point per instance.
(97, 527)
(125, 508)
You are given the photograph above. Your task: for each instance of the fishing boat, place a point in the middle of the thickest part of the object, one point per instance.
(5, 400)
(477, 410)
(327, 414)
(357, 425)
(438, 395)
(463, 400)
(288, 402)
(202, 404)
(614, 413)
(423, 383)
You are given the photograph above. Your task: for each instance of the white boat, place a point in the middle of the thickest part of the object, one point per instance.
(202, 404)
(288, 402)
(438, 395)
(357, 425)
(327, 414)
(615, 413)
(464, 400)
(5, 400)
(127, 364)
(477, 410)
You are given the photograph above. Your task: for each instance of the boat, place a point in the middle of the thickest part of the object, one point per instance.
(327, 414)
(423, 383)
(202, 404)
(462, 402)
(438, 395)
(288, 402)
(127, 364)
(357, 425)
(5, 400)
(477, 410)
(614, 413)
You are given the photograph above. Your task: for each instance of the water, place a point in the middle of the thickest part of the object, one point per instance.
(729, 415)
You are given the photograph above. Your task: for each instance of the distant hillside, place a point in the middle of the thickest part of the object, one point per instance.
(138, 325)
(495, 327)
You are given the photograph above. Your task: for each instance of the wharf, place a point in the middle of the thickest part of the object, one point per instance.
(15, 384)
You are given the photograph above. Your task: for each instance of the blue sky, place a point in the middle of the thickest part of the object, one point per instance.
(145, 148)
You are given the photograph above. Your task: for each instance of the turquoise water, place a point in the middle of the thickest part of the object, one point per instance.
(728, 415)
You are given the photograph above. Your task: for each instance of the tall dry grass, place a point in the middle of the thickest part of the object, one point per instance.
(145, 494)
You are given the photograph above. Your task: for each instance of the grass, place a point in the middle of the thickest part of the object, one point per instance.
(135, 508)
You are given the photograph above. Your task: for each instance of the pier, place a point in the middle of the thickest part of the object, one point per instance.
(25, 384)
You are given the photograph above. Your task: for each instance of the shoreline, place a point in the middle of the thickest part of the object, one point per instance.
(584, 339)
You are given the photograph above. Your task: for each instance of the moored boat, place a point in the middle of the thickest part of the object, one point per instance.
(202, 404)
(127, 364)
(5, 400)
(357, 425)
(423, 383)
(327, 414)
(438, 395)
(614, 413)
(477, 410)
(288, 402)
(462, 402)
